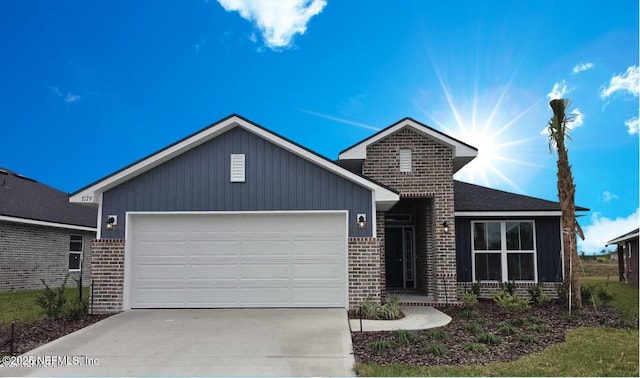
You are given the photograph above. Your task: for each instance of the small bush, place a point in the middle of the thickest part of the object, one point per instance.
(391, 309)
(604, 295)
(469, 313)
(52, 301)
(537, 295)
(509, 287)
(475, 288)
(489, 339)
(472, 327)
(528, 339)
(76, 309)
(436, 349)
(509, 302)
(380, 346)
(506, 328)
(518, 322)
(439, 334)
(469, 300)
(539, 328)
(368, 309)
(406, 337)
(474, 347)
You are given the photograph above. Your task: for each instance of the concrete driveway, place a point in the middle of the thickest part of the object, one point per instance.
(203, 342)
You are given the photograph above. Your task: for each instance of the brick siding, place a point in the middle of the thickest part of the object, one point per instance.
(107, 268)
(431, 178)
(29, 253)
(364, 270)
(487, 289)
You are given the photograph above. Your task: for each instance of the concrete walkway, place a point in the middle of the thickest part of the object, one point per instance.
(416, 317)
(201, 342)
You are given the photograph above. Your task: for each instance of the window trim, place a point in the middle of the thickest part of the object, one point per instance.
(503, 251)
(80, 252)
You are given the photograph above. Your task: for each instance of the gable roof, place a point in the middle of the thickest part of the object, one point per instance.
(626, 237)
(25, 200)
(385, 197)
(470, 198)
(462, 152)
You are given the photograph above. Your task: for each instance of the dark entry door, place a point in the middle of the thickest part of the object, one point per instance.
(394, 257)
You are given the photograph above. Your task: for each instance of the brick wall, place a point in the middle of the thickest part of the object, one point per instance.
(107, 268)
(364, 270)
(487, 289)
(431, 177)
(29, 253)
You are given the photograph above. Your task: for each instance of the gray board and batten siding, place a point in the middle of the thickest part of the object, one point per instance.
(548, 247)
(199, 180)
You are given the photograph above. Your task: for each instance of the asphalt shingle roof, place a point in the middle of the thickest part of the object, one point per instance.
(471, 197)
(22, 197)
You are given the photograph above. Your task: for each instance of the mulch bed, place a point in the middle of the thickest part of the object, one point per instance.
(30, 335)
(547, 324)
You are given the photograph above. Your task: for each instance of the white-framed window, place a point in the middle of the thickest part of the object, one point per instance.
(75, 252)
(405, 160)
(504, 251)
(237, 167)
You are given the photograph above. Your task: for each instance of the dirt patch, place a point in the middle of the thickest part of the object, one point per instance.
(461, 341)
(30, 335)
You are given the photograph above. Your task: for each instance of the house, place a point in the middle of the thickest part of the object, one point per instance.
(238, 216)
(627, 256)
(42, 235)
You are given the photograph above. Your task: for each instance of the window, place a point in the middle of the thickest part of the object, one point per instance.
(405, 160)
(75, 252)
(504, 251)
(237, 167)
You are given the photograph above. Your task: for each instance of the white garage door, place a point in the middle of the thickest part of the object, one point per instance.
(217, 260)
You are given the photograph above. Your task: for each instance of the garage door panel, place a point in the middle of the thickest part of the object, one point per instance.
(238, 260)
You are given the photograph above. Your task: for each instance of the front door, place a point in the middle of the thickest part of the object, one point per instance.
(399, 256)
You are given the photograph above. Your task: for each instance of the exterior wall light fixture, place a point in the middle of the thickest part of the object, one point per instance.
(362, 221)
(445, 227)
(112, 222)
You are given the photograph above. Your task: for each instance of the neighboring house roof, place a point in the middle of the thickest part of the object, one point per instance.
(25, 200)
(626, 237)
(475, 198)
(462, 152)
(384, 196)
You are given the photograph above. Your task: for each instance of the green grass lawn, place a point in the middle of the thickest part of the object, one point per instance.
(21, 305)
(587, 351)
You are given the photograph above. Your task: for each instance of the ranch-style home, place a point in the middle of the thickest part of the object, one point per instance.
(42, 235)
(238, 216)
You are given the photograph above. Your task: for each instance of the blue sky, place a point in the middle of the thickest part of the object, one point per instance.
(89, 87)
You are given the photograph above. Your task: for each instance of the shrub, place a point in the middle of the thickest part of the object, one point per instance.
(594, 293)
(528, 339)
(52, 301)
(539, 328)
(472, 327)
(469, 313)
(439, 334)
(368, 309)
(389, 310)
(475, 288)
(76, 309)
(506, 328)
(436, 349)
(537, 295)
(380, 346)
(518, 322)
(604, 295)
(509, 287)
(474, 347)
(489, 338)
(469, 299)
(406, 337)
(509, 302)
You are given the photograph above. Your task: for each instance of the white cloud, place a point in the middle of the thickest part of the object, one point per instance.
(607, 196)
(558, 91)
(626, 82)
(278, 20)
(632, 125)
(603, 229)
(67, 98)
(582, 67)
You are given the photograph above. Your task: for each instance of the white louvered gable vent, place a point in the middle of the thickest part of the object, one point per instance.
(237, 167)
(405, 160)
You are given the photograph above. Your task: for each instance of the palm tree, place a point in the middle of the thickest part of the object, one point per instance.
(558, 134)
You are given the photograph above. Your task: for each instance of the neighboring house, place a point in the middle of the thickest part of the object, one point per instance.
(42, 235)
(628, 255)
(237, 216)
